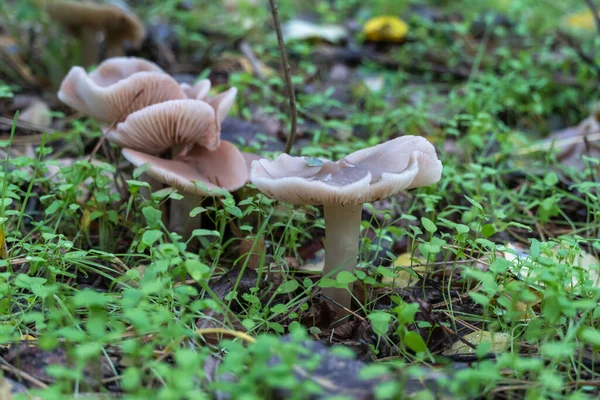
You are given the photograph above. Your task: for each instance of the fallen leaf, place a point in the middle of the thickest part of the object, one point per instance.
(37, 113)
(581, 20)
(404, 278)
(385, 28)
(3, 247)
(571, 146)
(303, 30)
(500, 342)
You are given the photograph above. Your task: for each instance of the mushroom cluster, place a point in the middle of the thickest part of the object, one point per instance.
(173, 128)
(371, 174)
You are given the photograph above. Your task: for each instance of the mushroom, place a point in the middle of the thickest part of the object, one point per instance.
(224, 167)
(85, 20)
(342, 187)
(111, 96)
(177, 124)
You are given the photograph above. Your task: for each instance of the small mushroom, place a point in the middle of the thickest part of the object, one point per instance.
(86, 20)
(223, 167)
(107, 98)
(342, 187)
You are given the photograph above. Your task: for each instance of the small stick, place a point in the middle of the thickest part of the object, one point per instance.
(112, 126)
(594, 10)
(249, 54)
(560, 143)
(288, 78)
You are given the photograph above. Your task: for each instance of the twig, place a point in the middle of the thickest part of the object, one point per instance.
(288, 78)
(594, 10)
(249, 54)
(560, 143)
(31, 379)
(112, 126)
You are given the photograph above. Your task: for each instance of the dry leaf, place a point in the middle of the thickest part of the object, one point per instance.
(37, 113)
(500, 342)
(303, 30)
(405, 278)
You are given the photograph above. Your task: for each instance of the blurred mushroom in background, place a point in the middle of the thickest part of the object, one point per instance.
(85, 21)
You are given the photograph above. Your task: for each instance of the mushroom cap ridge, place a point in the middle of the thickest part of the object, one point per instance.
(367, 175)
(114, 102)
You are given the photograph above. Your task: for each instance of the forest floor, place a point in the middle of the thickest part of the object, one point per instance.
(482, 285)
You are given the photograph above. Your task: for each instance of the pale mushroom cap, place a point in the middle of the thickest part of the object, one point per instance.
(224, 167)
(116, 69)
(222, 103)
(114, 102)
(199, 91)
(161, 126)
(367, 175)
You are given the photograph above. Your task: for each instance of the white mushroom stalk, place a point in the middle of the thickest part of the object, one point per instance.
(342, 187)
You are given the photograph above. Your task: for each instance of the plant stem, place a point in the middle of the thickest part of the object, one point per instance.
(342, 224)
(288, 78)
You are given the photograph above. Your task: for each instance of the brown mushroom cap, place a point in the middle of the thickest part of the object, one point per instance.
(115, 101)
(111, 19)
(367, 175)
(225, 167)
(161, 126)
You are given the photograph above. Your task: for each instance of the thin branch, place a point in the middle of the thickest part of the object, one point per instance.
(288, 78)
(249, 54)
(594, 10)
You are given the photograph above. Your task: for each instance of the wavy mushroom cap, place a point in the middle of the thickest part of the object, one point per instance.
(199, 91)
(222, 103)
(116, 69)
(225, 167)
(115, 101)
(158, 127)
(367, 175)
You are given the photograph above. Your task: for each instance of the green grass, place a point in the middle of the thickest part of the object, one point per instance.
(94, 271)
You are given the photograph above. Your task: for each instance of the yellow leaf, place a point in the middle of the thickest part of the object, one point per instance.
(500, 342)
(581, 20)
(385, 28)
(3, 248)
(405, 278)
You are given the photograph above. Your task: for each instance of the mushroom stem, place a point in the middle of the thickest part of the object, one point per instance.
(179, 211)
(342, 224)
(89, 47)
(179, 215)
(114, 47)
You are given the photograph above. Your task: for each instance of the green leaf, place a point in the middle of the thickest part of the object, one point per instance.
(152, 215)
(288, 286)
(345, 277)
(590, 336)
(488, 230)
(279, 309)
(428, 225)
(380, 321)
(415, 342)
(151, 236)
(197, 269)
